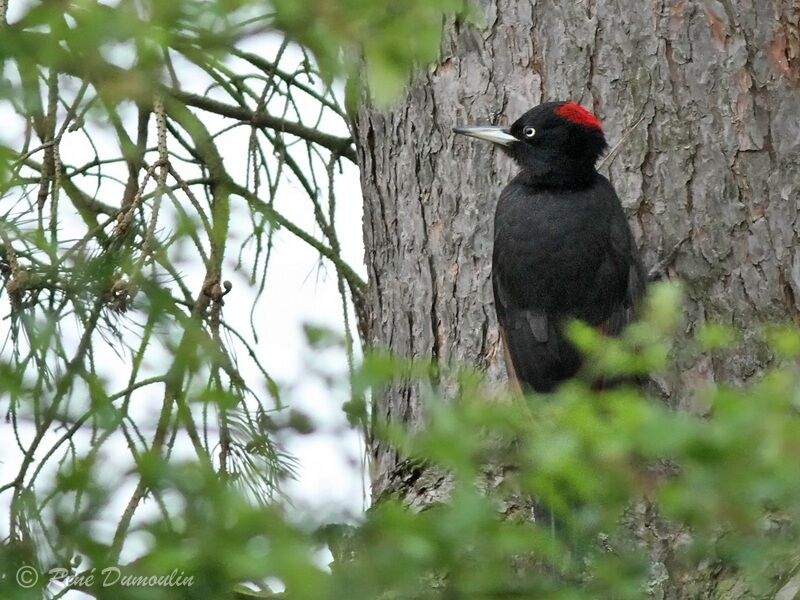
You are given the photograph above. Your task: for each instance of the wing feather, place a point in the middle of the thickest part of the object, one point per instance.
(538, 354)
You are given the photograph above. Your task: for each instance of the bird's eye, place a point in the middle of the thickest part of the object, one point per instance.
(529, 132)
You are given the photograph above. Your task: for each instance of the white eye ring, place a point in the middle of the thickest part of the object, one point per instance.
(529, 132)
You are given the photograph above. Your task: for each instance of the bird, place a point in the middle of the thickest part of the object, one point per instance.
(563, 248)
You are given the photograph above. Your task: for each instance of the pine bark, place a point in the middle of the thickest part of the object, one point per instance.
(703, 98)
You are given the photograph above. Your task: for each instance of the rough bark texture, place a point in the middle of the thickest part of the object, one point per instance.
(709, 174)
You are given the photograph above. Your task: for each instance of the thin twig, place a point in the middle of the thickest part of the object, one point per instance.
(617, 146)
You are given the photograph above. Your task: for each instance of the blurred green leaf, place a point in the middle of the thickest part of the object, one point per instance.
(715, 336)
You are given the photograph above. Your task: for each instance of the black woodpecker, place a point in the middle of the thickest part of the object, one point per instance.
(562, 245)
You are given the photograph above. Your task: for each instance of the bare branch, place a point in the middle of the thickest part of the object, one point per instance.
(338, 145)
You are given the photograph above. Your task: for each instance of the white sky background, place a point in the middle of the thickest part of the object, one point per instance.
(330, 481)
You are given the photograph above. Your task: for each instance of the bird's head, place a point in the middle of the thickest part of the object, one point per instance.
(556, 143)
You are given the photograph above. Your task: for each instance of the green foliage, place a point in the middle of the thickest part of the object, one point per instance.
(620, 475)
(389, 37)
(386, 39)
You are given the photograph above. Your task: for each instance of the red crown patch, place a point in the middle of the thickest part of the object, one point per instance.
(575, 113)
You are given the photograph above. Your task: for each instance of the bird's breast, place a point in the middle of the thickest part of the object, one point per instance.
(551, 250)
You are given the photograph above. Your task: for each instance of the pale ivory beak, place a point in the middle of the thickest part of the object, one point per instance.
(496, 135)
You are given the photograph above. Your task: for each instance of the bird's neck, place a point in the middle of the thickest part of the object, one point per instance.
(564, 176)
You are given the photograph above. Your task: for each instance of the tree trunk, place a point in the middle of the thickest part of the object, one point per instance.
(701, 96)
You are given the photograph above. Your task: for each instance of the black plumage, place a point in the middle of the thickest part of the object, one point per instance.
(562, 245)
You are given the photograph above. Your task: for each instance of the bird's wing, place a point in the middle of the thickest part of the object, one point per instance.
(624, 252)
(624, 313)
(538, 355)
